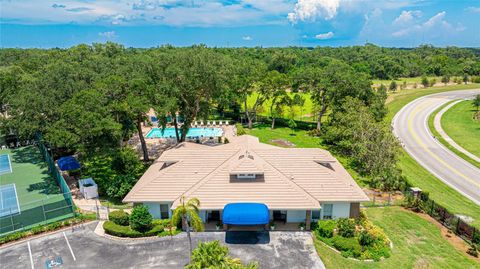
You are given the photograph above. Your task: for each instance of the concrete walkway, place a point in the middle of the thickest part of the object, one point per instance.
(438, 126)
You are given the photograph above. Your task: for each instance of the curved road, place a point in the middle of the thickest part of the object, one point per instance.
(411, 127)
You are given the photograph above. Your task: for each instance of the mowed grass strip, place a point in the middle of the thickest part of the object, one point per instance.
(418, 176)
(440, 139)
(459, 124)
(417, 243)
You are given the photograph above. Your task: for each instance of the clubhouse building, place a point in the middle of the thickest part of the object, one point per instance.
(253, 181)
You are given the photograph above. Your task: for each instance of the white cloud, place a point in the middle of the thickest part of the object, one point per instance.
(247, 38)
(473, 9)
(108, 34)
(311, 10)
(435, 26)
(407, 17)
(324, 36)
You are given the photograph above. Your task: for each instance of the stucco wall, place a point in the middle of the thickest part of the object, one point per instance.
(339, 209)
(154, 209)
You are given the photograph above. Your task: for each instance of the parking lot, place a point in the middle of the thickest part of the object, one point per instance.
(82, 248)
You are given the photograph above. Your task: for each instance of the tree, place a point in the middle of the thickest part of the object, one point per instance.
(187, 214)
(465, 79)
(476, 102)
(354, 131)
(393, 86)
(140, 219)
(274, 88)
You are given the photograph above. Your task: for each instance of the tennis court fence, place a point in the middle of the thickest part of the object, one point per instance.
(53, 207)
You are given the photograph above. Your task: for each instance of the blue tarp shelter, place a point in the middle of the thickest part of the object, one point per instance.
(68, 163)
(245, 214)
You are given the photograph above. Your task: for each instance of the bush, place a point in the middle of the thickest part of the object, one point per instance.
(140, 219)
(365, 238)
(325, 228)
(346, 227)
(119, 217)
(348, 246)
(214, 255)
(112, 228)
(156, 230)
(472, 251)
(240, 129)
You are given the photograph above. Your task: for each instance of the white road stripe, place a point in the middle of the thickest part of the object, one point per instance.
(30, 252)
(69, 247)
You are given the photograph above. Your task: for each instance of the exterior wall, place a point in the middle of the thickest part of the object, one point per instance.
(296, 215)
(339, 210)
(154, 209)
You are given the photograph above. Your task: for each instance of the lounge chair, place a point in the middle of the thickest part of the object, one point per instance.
(220, 123)
(214, 123)
(208, 123)
(226, 122)
(201, 123)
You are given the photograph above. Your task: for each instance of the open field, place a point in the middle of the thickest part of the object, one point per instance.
(459, 124)
(39, 196)
(419, 176)
(442, 140)
(417, 243)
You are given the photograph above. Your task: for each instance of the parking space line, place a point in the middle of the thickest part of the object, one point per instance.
(69, 247)
(30, 252)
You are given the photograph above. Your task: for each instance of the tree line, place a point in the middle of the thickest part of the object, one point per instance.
(92, 98)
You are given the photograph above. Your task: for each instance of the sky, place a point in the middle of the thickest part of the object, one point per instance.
(238, 23)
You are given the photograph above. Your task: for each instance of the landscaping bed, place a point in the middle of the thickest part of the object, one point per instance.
(139, 224)
(359, 239)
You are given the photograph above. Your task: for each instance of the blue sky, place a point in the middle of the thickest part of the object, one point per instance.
(150, 23)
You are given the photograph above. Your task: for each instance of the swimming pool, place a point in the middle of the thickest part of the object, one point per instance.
(192, 132)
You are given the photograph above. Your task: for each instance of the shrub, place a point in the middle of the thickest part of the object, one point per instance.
(156, 230)
(140, 219)
(365, 238)
(473, 251)
(37, 229)
(240, 129)
(346, 227)
(112, 228)
(325, 228)
(53, 226)
(349, 246)
(214, 255)
(119, 217)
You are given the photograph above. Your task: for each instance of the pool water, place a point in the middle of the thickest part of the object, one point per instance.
(192, 132)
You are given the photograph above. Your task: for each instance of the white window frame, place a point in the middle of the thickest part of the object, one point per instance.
(246, 176)
(324, 207)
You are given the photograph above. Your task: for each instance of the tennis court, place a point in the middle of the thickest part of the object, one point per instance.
(5, 165)
(8, 200)
(30, 186)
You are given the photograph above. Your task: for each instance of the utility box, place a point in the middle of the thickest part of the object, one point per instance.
(88, 188)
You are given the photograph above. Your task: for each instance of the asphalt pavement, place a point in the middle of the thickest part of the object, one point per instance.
(410, 125)
(82, 248)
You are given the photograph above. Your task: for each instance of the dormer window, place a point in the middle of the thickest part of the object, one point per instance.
(245, 176)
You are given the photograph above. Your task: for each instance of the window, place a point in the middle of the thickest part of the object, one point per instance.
(164, 211)
(327, 211)
(315, 214)
(244, 176)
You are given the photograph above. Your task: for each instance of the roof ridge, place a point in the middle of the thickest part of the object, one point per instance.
(289, 180)
(204, 179)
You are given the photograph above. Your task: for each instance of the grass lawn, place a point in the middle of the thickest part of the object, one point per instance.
(459, 124)
(443, 141)
(399, 81)
(304, 113)
(36, 190)
(417, 175)
(417, 243)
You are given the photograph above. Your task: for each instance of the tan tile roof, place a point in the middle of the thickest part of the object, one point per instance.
(293, 178)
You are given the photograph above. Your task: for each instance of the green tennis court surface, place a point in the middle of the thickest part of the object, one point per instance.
(39, 197)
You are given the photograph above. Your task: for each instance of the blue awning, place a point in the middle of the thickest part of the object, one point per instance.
(68, 163)
(245, 214)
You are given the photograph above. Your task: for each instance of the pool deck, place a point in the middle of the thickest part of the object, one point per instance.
(156, 146)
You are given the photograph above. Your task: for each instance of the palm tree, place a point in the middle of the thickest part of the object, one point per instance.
(187, 213)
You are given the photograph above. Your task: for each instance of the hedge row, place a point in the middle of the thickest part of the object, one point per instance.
(158, 229)
(45, 228)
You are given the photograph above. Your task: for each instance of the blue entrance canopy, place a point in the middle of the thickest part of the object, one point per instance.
(68, 163)
(245, 214)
